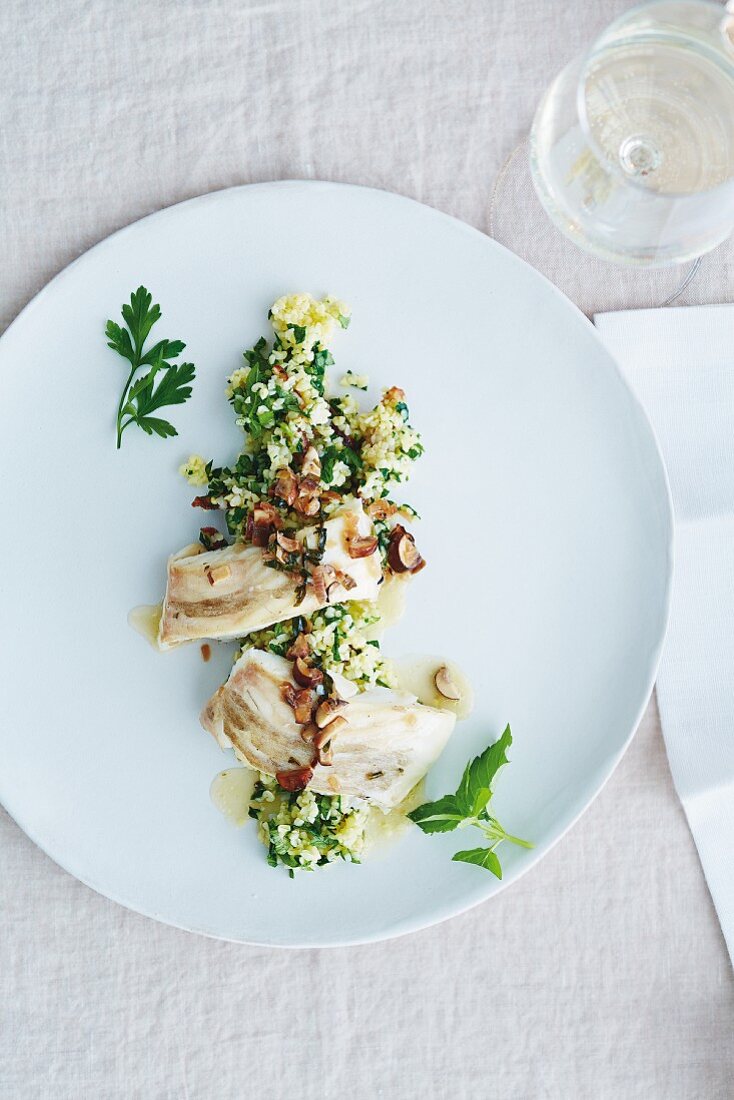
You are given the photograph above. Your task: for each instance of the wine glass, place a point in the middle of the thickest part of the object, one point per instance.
(632, 147)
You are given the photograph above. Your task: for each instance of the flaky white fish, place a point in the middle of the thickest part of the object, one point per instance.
(229, 593)
(387, 745)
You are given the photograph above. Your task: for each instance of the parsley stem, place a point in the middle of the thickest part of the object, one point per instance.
(121, 406)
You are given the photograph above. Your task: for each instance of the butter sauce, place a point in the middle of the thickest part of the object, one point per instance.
(418, 676)
(231, 791)
(146, 619)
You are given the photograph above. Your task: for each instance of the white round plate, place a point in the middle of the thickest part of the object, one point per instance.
(546, 526)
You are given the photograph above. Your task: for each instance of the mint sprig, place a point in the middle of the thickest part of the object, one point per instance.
(142, 397)
(470, 806)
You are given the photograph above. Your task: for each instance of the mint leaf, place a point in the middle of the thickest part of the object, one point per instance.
(480, 772)
(469, 806)
(438, 817)
(481, 857)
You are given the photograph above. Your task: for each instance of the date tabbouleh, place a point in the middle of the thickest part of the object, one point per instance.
(307, 455)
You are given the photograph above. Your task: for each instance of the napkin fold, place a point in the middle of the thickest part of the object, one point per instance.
(680, 363)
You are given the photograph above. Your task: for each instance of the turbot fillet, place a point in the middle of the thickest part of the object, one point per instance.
(229, 593)
(385, 746)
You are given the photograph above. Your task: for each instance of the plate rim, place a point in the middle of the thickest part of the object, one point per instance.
(447, 911)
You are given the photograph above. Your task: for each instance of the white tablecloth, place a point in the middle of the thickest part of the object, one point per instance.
(602, 973)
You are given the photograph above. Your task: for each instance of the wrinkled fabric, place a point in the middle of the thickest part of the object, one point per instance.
(602, 973)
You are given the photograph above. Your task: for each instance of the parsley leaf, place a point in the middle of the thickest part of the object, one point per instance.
(142, 397)
(470, 806)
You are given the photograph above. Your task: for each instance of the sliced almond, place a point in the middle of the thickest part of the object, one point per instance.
(446, 685)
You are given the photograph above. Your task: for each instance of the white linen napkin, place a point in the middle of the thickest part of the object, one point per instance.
(680, 362)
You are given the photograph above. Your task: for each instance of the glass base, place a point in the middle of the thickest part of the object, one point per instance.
(518, 221)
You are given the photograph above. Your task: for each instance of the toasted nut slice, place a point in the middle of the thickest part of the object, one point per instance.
(295, 780)
(303, 704)
(299, 648)
(285, 486)
(321, 577)
(325, 756)
(311, 466)
(266, 514)
(322, 741)
(309, 731)
(381, 509)
(327, 711)
(288, 693)
(305, 675)
(307, 506)
(291, 546)
(361, 547)
(446, 685)
(218, 573)
(403, 555)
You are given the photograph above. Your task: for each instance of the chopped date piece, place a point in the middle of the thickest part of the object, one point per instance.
(296, 780)
(205, 502)
(212, 539)
(261, 523)
(260, 535)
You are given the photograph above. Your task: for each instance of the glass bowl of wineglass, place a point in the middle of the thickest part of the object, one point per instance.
(632, 147)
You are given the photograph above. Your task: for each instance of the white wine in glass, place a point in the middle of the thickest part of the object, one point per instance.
(632, 147)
